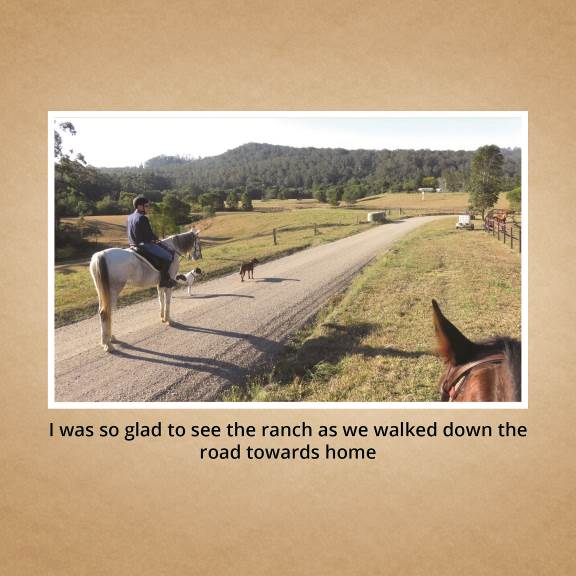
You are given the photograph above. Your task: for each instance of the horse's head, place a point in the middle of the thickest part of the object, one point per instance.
(185, 243)
(476, 372)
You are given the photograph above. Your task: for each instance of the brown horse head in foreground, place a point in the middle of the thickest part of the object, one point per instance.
(477, 372)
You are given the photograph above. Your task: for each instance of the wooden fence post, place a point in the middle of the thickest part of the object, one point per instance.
(315, 229)
(274, 236)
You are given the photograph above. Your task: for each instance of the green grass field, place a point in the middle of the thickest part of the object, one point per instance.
(377, 343)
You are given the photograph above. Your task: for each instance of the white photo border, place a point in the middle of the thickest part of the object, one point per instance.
(54, 116)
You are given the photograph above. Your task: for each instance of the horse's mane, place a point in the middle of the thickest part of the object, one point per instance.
(512, 350)
(183, 242)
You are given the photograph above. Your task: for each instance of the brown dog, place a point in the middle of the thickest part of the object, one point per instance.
(248, 267)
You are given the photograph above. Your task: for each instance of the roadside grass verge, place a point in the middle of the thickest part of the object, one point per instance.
(376, 342)
(227, 240)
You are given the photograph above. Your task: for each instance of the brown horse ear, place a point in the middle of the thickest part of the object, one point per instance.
(453, 346)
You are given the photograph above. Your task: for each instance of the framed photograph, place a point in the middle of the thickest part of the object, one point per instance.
(288, 259)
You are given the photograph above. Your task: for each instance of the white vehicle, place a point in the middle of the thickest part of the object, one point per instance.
(464, 222)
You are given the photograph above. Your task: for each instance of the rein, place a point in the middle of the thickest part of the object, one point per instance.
(174, 249)
(457, 375)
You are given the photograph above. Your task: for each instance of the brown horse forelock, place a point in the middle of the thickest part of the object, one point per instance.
(491, 382)
(184, 242)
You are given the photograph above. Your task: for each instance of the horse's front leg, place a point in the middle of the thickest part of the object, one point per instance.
(161, 299)
(167, 301)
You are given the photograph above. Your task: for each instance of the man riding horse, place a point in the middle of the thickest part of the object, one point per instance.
(141, 236)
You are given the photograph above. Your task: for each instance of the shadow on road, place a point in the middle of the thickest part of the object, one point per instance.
(276, 280)
(185, 361)
(207, 296)
(256, 341)
(228, 372)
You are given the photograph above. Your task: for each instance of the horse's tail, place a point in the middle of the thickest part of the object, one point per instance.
(99, 271)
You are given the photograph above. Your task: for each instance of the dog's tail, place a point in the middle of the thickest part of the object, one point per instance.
(99, 272)
(181, 277)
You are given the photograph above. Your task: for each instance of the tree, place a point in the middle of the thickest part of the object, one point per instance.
(62, 127)
(333, 195)
(410, 185)
(211, 200)
(176, 209)
(454, 180)
(351, 194)
(232, 200)
(70, 175)
(108, 206)
(319, 194)
(515, 198)
(168, 215)
(246, 202)
(428, 182)
(485, 180)
(66, 175)
(125, 201)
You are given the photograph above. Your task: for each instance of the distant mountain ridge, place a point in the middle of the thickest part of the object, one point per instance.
(268, 165)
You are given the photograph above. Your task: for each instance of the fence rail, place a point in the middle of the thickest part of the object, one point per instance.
(509, 233)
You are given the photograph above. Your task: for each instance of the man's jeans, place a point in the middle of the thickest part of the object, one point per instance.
(156, 251)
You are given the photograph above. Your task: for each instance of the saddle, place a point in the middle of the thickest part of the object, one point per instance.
(148, 258)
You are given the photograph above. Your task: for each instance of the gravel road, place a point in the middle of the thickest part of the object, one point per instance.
(219, 333)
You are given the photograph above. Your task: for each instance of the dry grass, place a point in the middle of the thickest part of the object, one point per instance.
(106, 230)
(231, 237)
(111, 230)
(431, 201)
(287, 204)
(376, 342)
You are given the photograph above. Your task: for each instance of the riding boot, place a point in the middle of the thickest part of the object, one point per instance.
(165, 280)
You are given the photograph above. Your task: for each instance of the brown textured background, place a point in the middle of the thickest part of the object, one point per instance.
(492, 506)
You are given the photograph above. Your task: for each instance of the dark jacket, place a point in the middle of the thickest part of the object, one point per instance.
(139, 229)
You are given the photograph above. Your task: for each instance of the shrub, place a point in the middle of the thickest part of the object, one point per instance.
(515, 198)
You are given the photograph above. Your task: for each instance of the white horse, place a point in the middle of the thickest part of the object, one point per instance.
(113, 268)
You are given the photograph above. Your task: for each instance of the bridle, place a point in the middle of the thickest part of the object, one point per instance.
(176, 251)
(457, 376)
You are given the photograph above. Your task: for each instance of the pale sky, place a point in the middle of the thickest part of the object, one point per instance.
(123, 139)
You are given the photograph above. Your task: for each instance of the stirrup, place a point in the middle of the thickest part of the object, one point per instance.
(168, 283)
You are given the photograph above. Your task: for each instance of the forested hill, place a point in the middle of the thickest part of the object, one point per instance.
(261, 166)
(266, 171)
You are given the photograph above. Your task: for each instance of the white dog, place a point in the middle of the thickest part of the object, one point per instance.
(190, 278)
